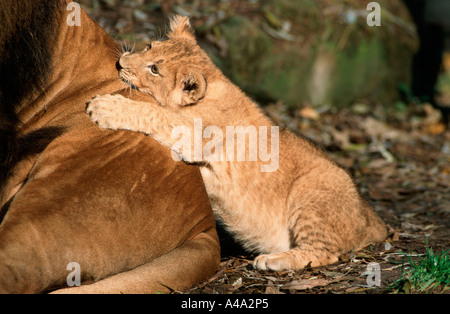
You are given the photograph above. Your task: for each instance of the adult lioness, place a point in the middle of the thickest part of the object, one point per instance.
(113, 202)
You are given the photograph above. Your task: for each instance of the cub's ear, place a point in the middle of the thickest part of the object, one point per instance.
(180, 27)
(191, 87)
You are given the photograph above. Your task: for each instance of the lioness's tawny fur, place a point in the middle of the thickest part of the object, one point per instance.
(305, 210)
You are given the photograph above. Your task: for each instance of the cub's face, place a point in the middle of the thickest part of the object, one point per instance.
(172, 71)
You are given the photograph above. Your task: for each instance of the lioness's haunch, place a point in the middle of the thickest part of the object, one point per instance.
(114, 203)
(304, 210)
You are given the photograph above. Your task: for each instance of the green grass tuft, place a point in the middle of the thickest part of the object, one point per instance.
(428, 274)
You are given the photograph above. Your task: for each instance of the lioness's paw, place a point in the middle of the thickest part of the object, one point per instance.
(106, 110)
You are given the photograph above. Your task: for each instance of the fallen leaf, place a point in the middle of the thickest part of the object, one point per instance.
(395, 236)
(303, 284)
(273, 20)
(435, 128)
(379, 163)
(356, 289)
(271, 289)
(341, 137)
(237, 284)
(309, 113)
(333, 274)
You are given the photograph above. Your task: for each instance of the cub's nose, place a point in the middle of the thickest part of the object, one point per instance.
(118, 66)
(121, 63)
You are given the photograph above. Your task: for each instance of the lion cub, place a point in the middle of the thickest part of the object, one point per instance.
(299, 210)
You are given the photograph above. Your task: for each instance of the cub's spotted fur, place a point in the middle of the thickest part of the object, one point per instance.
(307, 211)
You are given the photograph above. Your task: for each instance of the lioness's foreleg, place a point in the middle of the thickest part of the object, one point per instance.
(177, 270)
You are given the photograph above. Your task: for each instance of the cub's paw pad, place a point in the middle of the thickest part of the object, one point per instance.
(105, 110)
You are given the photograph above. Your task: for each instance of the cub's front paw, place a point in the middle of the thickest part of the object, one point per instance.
(106, 110)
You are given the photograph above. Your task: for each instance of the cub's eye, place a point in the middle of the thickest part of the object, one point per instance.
(153, 69)
(148, 47)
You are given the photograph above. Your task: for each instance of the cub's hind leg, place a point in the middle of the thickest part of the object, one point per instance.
(314, 242)
(327, 217)
(294, 259)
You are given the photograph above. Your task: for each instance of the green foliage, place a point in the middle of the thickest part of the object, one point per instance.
(359, 75)
(296, 10)
(427, 274)
(248, 50)
(298, 53)
(443, 84)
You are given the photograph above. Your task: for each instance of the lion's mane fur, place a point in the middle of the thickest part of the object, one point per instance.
(27, 31)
